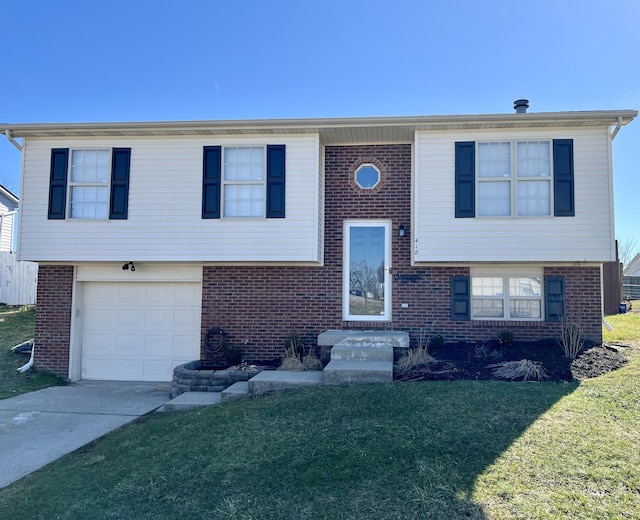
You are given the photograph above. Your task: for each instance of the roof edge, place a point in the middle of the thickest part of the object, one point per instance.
(604, 117)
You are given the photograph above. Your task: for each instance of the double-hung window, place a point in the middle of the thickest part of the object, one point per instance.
(243, 182)
(514, 178)
(507, 295)
(524, 178)
(90, 184)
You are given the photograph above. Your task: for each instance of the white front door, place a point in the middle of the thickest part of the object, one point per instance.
(367, 271)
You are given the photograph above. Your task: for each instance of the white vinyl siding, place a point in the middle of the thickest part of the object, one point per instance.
(165, 200)
(440, 237)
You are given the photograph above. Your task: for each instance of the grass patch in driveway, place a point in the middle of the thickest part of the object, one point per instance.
(16, 326)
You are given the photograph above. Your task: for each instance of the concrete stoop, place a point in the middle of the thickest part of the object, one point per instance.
(359, 360)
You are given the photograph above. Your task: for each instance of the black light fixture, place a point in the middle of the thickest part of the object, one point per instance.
(128, 265)
(401, 230)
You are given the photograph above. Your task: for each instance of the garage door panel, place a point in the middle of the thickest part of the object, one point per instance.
(139, 331)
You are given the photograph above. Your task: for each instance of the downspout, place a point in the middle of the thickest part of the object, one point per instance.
(617, 128)
(15, 143)
(606, 324)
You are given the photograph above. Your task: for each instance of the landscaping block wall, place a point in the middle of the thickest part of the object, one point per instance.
(53, 318)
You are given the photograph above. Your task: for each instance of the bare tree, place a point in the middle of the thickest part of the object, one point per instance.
(628, 248)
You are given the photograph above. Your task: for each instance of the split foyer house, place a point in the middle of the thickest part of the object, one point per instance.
(148, 234)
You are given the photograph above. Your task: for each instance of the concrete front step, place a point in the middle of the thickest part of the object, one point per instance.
(361, 350)
(340, 371)
(392, 338)
(235, 392)
(273, 380)
(190, 400)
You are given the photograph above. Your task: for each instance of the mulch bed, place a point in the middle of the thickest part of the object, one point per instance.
(472, 360)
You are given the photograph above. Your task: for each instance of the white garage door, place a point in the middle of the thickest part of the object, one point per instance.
(139, 331)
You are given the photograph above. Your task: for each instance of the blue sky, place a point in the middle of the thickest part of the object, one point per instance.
(148, 60)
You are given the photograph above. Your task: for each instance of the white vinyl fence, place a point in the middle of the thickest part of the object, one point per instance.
(17, 280)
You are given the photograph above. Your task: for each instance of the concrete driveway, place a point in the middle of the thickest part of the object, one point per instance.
(39, 427)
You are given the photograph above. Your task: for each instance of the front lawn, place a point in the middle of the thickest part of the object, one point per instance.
(449, 450)
(16, 326)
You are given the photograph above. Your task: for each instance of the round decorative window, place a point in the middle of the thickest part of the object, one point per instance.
(367, 176)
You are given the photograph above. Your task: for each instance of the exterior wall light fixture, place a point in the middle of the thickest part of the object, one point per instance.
(128, 265)
(401, 230)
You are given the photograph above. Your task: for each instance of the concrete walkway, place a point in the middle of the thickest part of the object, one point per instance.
(39, 427)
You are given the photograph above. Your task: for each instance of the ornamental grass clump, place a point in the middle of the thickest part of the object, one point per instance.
(417, 357)
(295, 359)
(524, 369)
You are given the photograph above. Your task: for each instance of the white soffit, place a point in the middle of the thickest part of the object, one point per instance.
(331, 131)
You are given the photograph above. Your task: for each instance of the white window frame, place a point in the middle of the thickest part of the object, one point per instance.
(89, 184)
(505, 274)
(514, 178)
(359, 168)
(250, 182)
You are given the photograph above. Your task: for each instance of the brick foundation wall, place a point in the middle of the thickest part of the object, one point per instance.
(260, 306)
(53, 318)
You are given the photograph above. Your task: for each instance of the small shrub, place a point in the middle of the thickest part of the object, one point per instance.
(524, 369)
(232, 354)
(571, 339)
(505, 337)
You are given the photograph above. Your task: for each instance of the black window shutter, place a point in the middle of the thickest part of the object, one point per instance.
(465, 179)
(460, 298)
(275, 181)
(120, 167)
(211, 181)
(554, 290)
(58, 183)
(563, 180)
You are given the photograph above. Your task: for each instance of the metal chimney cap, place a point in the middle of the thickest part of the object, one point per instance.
(521, 106)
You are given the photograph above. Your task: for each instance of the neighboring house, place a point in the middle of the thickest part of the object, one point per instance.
(465, 225)
(631, 280)
(17, 279)
(8, 209)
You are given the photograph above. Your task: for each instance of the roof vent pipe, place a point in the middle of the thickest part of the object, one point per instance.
(521, 106)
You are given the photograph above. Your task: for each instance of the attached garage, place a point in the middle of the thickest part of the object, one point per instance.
(137, 330)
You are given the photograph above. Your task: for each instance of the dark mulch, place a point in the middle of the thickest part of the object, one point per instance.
(472, 360)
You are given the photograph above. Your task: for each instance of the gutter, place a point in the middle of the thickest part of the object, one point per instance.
(617, 128)
(15, 143)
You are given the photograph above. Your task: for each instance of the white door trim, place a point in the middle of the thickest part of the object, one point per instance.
(385, 314)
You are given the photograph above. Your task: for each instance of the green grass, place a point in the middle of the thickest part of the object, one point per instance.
(16, 326)
(626, 327)
(448, 450)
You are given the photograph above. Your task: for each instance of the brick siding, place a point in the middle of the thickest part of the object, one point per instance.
(53, 318)
(260, 306)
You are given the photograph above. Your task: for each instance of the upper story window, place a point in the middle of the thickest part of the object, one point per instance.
(89, 184)
(367, 176)
(243, 182)
(514, 178)
(244, 178)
